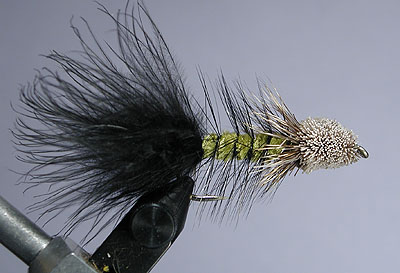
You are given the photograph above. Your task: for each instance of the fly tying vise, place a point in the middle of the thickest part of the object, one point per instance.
(119, 123)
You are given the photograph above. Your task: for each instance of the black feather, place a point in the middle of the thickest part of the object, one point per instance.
(112, 136)
(115, 130)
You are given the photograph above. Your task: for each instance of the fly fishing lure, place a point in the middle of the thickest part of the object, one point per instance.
(119, 123)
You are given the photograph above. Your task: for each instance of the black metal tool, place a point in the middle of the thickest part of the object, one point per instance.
(147, 231)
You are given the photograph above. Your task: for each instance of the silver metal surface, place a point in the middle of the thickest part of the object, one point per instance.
(38, 250)
(362, 152)
(206, 198)
(62, 257)
(20, 235)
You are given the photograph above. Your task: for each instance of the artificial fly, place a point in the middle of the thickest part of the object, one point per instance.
(118, 125)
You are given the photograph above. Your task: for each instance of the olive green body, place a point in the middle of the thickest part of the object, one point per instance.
(229, 146)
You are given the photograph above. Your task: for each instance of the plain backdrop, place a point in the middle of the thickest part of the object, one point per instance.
(337, 59)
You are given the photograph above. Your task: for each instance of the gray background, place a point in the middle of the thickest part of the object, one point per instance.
(337, 59)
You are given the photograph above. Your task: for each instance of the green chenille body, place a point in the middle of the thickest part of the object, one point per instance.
(230, 145)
